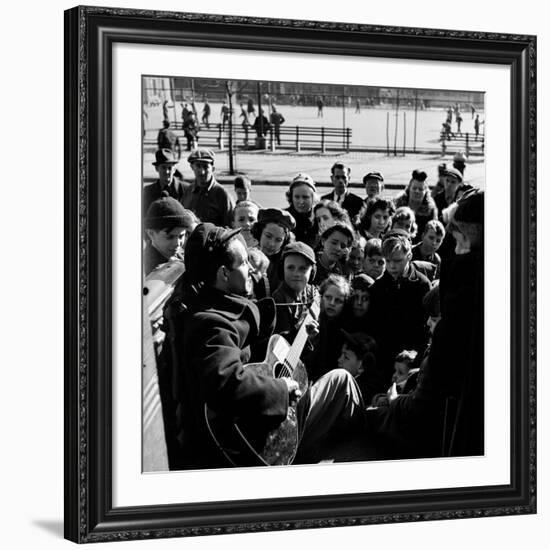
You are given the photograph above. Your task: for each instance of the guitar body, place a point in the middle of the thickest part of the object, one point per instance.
(278, 447)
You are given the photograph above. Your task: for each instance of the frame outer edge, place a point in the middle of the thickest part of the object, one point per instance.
(77, 245)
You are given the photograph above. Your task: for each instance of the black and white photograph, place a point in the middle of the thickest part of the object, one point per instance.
(313, 273)
(300, 274)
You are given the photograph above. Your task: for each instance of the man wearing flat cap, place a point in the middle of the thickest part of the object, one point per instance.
(206, 197)
(453, 180)
(374, 185)
(215, 335)
(168, 182)
(340, 177)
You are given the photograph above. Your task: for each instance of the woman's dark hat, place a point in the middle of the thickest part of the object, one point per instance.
(278, 216)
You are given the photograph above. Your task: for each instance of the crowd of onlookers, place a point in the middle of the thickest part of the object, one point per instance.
(399, 283)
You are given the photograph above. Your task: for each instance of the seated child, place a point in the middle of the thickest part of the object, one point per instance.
(375, 263)
(335, 245)
(245, 215)
(403, 380)
(358, 357)
(356, 258)
(327, 336)
(426, 249)
(356, 317)
(295, 294)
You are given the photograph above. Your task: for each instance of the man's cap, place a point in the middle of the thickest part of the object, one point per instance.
(203, 249)
(373, 176)
(450, 171)
(359, 341)
(305, 179)
(164, 156)
(470, 207)
(201, 155)
(165, 213)
(300, 248)
(278, 216)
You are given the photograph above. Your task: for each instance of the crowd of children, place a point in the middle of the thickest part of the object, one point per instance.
(375, 276)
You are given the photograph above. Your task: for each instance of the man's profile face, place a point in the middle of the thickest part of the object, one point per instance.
(340, 180)
(166, 173)
(203, 172)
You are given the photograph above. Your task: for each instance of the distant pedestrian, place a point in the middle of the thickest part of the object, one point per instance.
(261, 124)
(165, 110)
(458, 123)
(184, 111)
(167, 139)
(250, 107)
(191, 131)
(244, 115)
(473, 109)
(206, 111)
(358, 105)
(476, 126)
(276, 120)
(224, 114)
(320, 105)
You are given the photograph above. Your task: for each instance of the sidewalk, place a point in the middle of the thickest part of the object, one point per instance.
(279, 167)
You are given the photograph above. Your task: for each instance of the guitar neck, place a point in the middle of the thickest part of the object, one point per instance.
(293, 355)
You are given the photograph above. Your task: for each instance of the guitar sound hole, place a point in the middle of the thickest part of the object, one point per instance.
(280, 370)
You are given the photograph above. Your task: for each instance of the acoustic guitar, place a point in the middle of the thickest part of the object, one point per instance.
(278, 447)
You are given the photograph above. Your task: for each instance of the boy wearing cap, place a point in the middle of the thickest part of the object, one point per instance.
(340, 177)
(374, 185)
(295, 294)
(214, 335)
(166, 224)
(168, 182)
(206, 197)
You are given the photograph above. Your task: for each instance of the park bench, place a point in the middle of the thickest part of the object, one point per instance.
(291, 137)
(462, 141)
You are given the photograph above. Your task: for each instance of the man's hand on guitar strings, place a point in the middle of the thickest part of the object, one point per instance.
(294, 392)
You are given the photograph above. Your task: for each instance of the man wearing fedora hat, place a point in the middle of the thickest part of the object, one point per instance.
(206, 197)
(168, 182)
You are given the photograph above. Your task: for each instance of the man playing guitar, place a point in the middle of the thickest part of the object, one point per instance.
(250, 409)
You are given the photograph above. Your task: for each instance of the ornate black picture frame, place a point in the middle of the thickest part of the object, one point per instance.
(90, 33)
